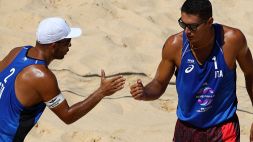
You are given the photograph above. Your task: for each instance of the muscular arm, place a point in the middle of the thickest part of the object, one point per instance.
(8, 59)
(245, 61)
(47, 87)
(165, 70)
(71, 114)
(244, 58)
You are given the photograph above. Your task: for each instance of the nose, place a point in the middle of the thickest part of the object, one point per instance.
(187, 30)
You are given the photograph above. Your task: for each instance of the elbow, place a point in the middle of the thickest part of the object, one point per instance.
(68, 122)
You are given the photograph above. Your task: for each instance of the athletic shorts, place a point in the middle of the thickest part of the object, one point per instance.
(228, 131)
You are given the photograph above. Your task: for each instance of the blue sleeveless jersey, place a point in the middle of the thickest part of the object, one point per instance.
(16, 120)
(206, 93)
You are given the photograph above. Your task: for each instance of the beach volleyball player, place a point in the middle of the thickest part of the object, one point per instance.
(203, 57)
(27, 85)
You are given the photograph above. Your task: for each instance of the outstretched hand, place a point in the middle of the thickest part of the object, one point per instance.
(110, 86)
(137, 90)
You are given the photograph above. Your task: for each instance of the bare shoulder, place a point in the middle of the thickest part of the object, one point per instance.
(234, 37)
(172, 47)
(8, 59)
(40, 77)
(34, 84)
(230, 31)
(14, 52)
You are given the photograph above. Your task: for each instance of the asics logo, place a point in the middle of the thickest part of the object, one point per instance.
(189, 69)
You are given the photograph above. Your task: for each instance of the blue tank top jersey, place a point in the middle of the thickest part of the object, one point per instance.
(16, 120)
(207, 92)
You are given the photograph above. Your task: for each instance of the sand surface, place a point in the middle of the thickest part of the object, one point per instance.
(120, 36)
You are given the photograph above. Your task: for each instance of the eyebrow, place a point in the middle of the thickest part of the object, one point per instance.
(190, 23)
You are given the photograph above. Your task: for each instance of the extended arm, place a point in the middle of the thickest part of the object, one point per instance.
(165, 70)
(69, 114)
(158, 85)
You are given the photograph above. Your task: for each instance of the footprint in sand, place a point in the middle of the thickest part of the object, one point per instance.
(165, 105)
(40, 130)
(81, 137)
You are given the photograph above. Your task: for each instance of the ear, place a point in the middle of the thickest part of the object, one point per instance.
(210, 21)
(52, 47)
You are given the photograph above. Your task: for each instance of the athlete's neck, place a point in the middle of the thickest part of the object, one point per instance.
(206, 43)
(40, 53)
(203, 49)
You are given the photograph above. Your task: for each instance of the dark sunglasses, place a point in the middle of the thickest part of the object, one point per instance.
(191, 27)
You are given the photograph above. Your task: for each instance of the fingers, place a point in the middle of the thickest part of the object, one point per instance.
(137, 90)
(138, 95)
(138, 84)
(117, 78)
(102, 74)
(110, 86)
(117, 88)
(118, 83)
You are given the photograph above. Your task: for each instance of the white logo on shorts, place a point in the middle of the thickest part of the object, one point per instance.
(189, 69)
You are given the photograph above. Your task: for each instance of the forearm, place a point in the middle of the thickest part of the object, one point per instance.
(153, 90)
(249, 86)
(80, 109)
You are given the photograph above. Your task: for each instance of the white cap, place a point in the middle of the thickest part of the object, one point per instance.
(54, 29)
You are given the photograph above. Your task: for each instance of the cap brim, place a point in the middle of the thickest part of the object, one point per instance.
(74, 32)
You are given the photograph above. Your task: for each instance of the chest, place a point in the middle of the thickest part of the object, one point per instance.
(224, 58)
(214, 67)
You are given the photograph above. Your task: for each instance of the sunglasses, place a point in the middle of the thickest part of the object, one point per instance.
(191, 27)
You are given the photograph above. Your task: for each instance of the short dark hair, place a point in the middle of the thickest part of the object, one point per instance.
(201, 8)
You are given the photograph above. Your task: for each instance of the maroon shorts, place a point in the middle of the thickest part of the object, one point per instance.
(228, 131)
